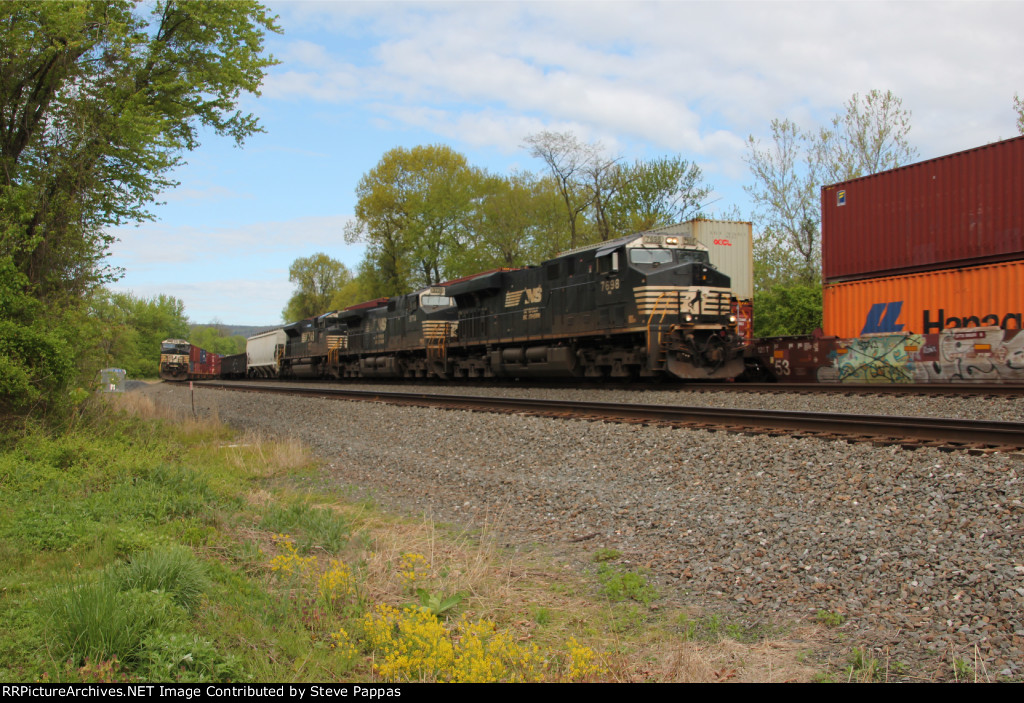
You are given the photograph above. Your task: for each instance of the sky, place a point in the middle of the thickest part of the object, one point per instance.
(645, 79)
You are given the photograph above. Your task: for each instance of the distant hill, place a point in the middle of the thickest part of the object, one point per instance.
(243, 330)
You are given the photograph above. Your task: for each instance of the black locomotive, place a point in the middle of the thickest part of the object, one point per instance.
(644, 305)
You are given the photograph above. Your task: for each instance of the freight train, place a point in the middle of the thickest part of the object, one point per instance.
(647, 305)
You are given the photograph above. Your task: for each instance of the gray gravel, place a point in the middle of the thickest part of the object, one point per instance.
(1005, 408)
(920, 550)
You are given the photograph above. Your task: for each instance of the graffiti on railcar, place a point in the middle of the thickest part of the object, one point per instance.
(883, 358)
(978, 354)
(984, 354)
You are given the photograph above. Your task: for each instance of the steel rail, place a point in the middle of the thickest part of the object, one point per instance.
(946, 432)
(950, 389)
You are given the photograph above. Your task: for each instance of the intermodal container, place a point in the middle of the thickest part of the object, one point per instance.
(203, 364)
(730, 249)
(923, 303)
(958, 210)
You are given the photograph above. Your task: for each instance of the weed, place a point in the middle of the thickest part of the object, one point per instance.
(863, 668)
(619, 585)
(963, 671)
(171, 569)
(96, 620)
(187, 658)
(604, 554)
(541, 615)
(437, 604)
(412, 569)
(315, 527)
(830, 618)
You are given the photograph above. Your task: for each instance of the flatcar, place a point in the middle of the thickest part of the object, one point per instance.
(646, 305)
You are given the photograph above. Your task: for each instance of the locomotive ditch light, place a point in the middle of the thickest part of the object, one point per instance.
(732, 320)
(688, 317)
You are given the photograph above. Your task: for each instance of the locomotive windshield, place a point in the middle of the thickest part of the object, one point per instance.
(650, 256)
(174, 348)
(435, 301)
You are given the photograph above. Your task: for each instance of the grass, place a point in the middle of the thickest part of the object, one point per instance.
(139, 546)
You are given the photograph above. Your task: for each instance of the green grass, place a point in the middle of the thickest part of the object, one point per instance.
(148, 550)
(621, 584)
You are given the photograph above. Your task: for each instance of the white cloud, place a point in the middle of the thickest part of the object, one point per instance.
(151, 244)
(686, 76)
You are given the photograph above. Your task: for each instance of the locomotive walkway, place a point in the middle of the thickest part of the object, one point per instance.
(975, 436)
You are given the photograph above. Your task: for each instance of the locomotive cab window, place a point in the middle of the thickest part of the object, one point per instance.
(608, 263)
(436, 301)
(693, 257)
(653, 257)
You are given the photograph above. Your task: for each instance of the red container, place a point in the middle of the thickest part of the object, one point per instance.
(957, 210)
(927, 303)
(203, 364)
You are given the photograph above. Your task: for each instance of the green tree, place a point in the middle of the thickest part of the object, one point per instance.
(785, 310)
(412, 211)
(317, 278)
(128, 329)
(517, 221)
(98, 102)
(657, 193)
(1018, 106)
(215, 340)
(36, 363)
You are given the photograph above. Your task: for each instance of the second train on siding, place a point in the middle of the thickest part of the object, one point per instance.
(643, 306)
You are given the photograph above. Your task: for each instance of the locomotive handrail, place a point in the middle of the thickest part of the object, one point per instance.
(655, 346)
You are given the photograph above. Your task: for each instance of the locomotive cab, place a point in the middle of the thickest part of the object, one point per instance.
(174, 355)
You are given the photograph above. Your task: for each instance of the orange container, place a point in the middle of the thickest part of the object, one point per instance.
(924, 303)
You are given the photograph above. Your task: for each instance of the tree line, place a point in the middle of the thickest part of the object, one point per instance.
(427, 215)
(99, 102)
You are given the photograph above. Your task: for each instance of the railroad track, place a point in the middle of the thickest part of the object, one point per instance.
(909, 432)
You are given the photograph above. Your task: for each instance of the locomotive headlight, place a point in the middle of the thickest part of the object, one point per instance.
(672, 241)
(732, 319)
(688, 317)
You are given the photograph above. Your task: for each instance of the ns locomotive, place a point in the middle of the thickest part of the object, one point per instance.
(645, 305)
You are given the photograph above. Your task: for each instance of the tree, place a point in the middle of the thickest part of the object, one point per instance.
(98, 102)
(516, 222)
(604, 199)
(215, 340)
(128, 330)
(869, 136)
(572, 165)
(412, 211)
(786, 200)
(657, 193)
(317, 278)
(1018, 105)
(793, 309)
(36, 365)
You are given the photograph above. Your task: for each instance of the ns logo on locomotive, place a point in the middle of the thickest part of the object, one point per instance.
(645, 305)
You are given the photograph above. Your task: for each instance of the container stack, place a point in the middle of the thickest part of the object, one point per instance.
(928, 247)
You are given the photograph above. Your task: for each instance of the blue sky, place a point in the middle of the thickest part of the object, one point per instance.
(645, 79)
